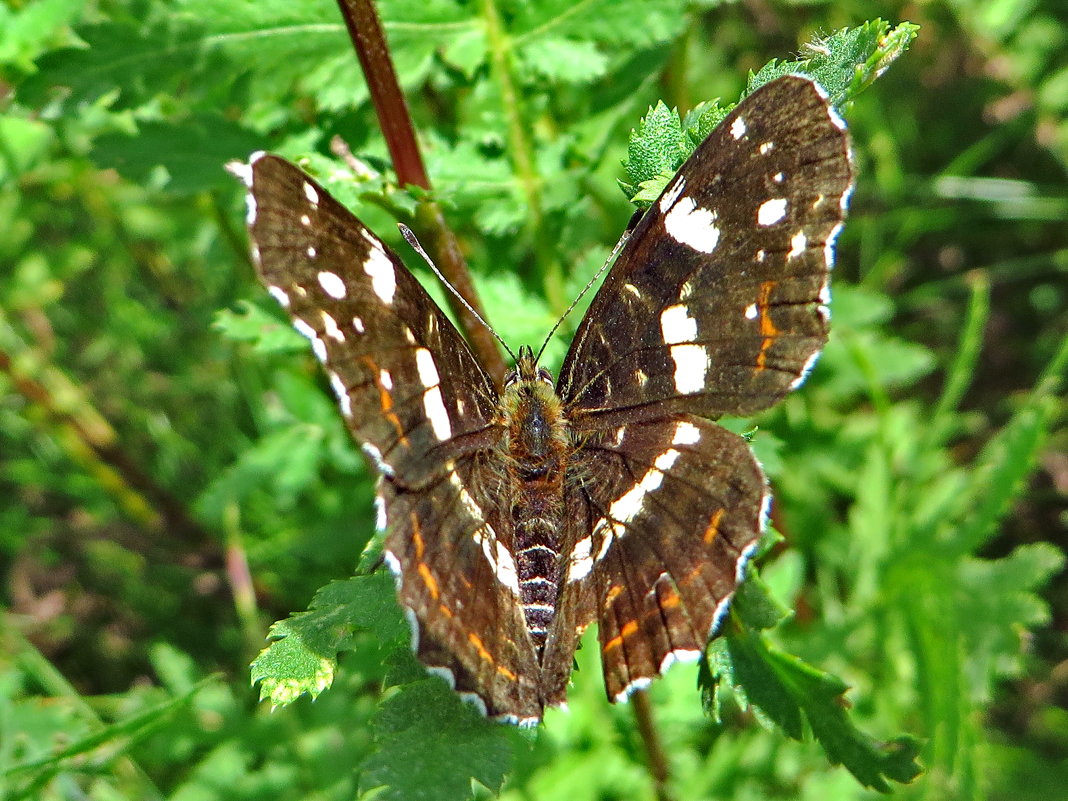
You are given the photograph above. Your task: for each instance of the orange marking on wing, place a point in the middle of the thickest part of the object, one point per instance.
(429, 580)
(615, 642)
(613, 591)
(629, 628)
(385, 400)
(767, 327)
(444, 610)
(506, 673)
(713, 527)
(417, 538)
(479, 646)
(670, 601)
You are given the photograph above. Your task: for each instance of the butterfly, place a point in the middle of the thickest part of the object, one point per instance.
(515, 517)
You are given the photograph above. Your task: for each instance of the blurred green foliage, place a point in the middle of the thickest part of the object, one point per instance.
(175, 477)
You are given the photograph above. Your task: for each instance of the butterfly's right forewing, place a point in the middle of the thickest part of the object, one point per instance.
(408, 385)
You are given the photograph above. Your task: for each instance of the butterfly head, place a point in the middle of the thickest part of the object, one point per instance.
(527, 370)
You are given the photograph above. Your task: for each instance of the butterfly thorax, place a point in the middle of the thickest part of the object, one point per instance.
(536, 455)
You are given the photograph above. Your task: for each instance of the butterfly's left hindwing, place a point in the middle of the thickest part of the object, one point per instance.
(676, 509)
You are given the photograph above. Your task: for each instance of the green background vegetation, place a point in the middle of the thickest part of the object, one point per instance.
(174, 477)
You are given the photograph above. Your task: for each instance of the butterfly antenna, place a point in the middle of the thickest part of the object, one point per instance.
(407, 233)
(611, 258)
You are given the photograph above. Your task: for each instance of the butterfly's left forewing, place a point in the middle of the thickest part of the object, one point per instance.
(717, 303)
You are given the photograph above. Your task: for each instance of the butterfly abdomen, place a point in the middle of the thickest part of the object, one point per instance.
(538, 447)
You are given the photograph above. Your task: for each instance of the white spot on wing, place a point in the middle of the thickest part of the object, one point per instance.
(332, 284)
(766, 147)
(442, 673)
(677, 325)
(771, 211)
(381, 520)
(357, 323)
(474, 701)
(330, 327)
(312, 252)
(385, 379)
(751, 311)
(691, 366)
(434, 407)
(626, 508)
(692, 226)
(311, 194)
(686, 434)
(828, 249)
(383, 278)
(375, 455)
(305, 220)
(810, 362)
(318, 346)
(428, 371)
(778, 177)
(672, 194)
(279, 294)
(341, 392)
(798, 243)
(679, 655)
(633, 687)
(242, 170)
(738, 128)
(394, 565)
(506, 571)
(581, 563)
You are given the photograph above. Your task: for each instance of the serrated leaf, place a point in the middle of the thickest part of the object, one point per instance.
(656, 148)
(788, 691)
(846, 62)
(430, 745)
(303, 658)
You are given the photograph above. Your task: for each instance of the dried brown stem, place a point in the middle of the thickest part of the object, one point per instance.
(367, 36)
(654, 748)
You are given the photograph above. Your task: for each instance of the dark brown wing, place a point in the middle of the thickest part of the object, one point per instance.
(675, 510)
(717, 303)
(408, 385)
(425, 412)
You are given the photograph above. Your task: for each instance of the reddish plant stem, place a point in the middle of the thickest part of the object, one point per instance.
(368, 39)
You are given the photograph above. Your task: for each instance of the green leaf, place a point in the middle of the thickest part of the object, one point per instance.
(128, 61)
(563, 60)
(264, 331)
(192, 152)
(847, 61)
(430, 745)
(1009, 457)
(787, 691)
(303, 658)
(656, 149)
